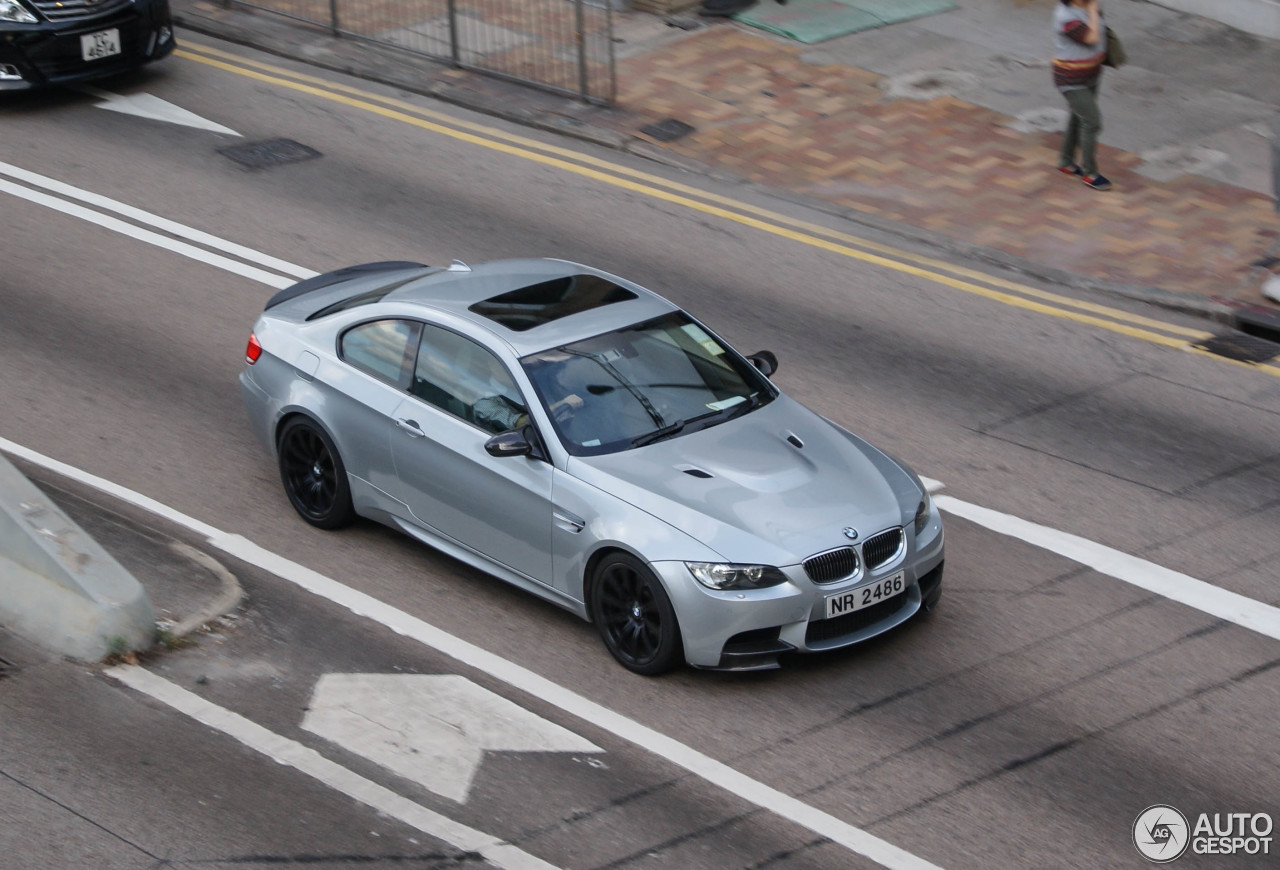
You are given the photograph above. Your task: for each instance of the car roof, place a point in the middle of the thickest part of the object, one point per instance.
(457, 289)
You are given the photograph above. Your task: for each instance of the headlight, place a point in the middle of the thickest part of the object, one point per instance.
(717, 575)
(12, 10)
(922, 513)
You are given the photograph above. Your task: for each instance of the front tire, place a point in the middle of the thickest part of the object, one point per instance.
(313, 475)
(634, 616)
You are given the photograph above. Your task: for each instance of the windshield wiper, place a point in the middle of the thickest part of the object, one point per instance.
(658, 434)
(678, 426)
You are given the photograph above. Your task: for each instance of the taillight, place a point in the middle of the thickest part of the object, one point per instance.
(253, 351)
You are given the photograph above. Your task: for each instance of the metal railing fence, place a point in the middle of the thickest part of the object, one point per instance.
(564, 46)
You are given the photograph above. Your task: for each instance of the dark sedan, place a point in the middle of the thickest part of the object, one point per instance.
(52, 42)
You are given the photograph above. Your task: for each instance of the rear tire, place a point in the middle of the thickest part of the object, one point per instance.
(313, 475)
(634, 616)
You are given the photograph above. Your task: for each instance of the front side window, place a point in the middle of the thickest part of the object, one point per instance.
(383, 348)
(461, 377)
(634, 386)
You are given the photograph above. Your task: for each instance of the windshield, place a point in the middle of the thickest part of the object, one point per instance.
(637, 385)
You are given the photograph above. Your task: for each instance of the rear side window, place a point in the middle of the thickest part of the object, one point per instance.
(383, 348)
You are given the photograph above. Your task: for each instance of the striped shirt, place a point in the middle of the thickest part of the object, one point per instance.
(1075, 63)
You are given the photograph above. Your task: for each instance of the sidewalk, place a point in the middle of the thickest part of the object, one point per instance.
(942, 128)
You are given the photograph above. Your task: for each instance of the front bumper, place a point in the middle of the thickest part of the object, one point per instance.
(50, 53)
(749, 629)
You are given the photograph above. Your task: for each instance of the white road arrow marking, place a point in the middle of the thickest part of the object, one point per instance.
(155, 109)
(431, 728)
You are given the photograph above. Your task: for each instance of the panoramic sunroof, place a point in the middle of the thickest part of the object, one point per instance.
(537, 304)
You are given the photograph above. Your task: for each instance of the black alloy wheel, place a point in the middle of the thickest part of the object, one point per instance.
(634, 616)
(313, 475)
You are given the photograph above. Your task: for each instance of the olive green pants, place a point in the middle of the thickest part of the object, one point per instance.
(1082, 129)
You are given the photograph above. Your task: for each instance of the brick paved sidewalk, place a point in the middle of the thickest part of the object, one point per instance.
(943, 165)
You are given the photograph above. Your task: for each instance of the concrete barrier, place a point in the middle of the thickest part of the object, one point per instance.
(59, 588)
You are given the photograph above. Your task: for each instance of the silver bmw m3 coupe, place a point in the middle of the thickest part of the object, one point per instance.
(577, 435)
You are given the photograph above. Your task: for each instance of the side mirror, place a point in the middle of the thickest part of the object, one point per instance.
(513, 443)
(765, 361)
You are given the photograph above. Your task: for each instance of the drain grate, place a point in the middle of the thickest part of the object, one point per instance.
(268, 153)
(668, 130)
(1241, 346)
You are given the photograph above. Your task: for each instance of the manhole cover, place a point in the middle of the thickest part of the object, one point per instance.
(269, 152)
(667, 131)
(1241, 346)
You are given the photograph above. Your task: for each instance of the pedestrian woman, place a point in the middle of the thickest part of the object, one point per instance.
(1079, 48)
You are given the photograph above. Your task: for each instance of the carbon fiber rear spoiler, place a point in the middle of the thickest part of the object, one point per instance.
(329, 278)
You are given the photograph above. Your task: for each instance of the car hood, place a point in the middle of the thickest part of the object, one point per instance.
(774, 486)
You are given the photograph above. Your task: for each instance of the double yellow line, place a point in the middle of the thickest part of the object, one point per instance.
(646, 184)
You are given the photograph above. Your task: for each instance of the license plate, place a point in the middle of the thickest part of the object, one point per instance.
(104, 43)
(865, 596)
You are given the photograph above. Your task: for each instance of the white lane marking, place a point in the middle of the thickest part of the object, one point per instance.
(770, 799)
(1214, 600)
(153, 109)
(151, 238)
(431, 728)
(114, 490)
(282, 750)
(173, 228)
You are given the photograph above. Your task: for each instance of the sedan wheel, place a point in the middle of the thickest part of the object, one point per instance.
(313, 475)
(634, 616)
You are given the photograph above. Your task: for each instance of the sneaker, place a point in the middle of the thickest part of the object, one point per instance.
(1097, 182)
(1070, 169)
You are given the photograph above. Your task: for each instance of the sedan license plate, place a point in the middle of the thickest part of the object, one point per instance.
(104, 43)
(865, 596)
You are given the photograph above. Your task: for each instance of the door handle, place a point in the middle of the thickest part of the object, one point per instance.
(411, 426)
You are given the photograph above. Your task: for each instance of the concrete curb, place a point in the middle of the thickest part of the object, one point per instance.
(229, 596)
(59, 588)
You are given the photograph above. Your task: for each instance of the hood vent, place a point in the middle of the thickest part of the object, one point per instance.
(694, 471)
(794, 440)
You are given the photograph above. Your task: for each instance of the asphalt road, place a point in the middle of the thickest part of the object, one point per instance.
(1025, 724)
